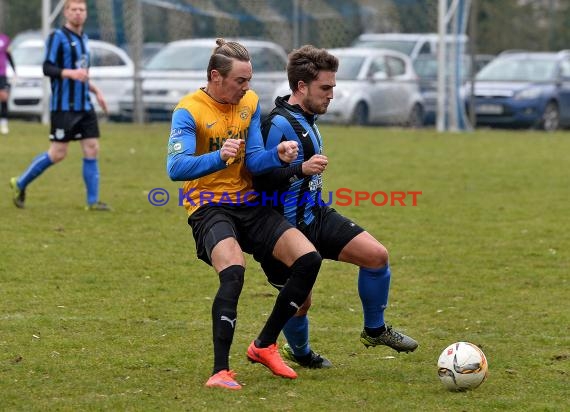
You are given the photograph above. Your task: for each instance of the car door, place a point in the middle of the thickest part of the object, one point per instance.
(379, 90)
(565, 91)
(400, 90)
(112, 72)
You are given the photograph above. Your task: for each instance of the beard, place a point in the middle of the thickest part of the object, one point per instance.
(313, 107)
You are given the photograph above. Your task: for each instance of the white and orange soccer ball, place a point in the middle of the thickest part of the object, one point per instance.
(462, 366)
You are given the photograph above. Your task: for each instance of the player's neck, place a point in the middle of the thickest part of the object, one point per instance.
(208, 91)
(294, 100)
(74, 28)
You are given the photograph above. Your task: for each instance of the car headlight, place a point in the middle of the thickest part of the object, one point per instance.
(528, 94)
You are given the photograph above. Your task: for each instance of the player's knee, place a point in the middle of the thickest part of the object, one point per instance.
(306, 268)
(57, 156)
(231, 283)
(378, 257)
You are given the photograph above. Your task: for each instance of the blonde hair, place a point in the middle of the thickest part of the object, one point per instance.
(223, 56)
(68, 3)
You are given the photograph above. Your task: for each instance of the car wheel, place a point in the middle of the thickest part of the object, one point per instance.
(360, 114)
(416, 118)
(550, 120)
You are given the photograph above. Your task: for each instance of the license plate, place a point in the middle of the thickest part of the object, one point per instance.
(489, 109)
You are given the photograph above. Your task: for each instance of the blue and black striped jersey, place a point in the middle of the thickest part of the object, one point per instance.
(67, 50)
(298, 195)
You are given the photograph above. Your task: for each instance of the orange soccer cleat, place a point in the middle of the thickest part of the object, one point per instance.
(270, 357)
(223, 379)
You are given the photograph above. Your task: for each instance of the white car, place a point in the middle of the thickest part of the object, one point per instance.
(180, 68)
(111, 71)
(373, 86)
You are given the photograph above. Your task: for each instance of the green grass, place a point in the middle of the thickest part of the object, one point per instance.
(112, 311)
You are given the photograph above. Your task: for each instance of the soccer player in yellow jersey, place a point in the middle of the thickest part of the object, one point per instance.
(215, 144)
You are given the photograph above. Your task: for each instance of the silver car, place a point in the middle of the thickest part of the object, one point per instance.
(373, 86)
(111, 71)
(180, 68)
(412, 44)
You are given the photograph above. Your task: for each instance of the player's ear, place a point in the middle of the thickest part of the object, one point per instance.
(215, 76)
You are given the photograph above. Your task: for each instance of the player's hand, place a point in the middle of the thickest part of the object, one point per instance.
(288, 151)
(80, 74)
(230, 149)
(315, 165)
(102, 102)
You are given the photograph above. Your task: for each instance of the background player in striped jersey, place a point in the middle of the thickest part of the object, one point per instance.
(311, 73)
(72, 114)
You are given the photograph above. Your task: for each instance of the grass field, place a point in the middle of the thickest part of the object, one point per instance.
(112, 311)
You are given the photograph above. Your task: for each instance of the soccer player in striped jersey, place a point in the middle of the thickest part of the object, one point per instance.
(215, 144)
(72, 114)
(312, 73)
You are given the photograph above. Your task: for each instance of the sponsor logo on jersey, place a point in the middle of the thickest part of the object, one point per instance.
(175, 147)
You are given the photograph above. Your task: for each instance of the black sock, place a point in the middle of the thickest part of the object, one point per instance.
(4, 110)
(303, 275)
(375, 332)
(224, 314)
(304, 358)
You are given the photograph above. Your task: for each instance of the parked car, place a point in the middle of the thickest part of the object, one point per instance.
(180, 67)
(111, 70)
(373, 86)
(426, 67)
(411, 44)
(23, 36)
(528, 89)
(148, 50)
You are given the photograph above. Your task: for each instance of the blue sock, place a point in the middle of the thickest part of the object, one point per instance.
(40, 163)
(91, 179)
(373, 289)
(296, 332)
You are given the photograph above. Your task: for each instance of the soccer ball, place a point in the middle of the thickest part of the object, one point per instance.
(462, 366)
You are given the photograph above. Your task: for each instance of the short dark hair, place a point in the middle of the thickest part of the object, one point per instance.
(223, 56)
(306, 62)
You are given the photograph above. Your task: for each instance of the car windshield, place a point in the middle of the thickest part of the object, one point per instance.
(28, 56)
(181, 58)
(197, 57)
(349, 67)
(519, 70)
(426, 67)
(403, 46)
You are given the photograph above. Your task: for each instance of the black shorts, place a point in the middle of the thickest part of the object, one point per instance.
(4, 85)
(330, 232)
(68, 126)
(256, 228)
